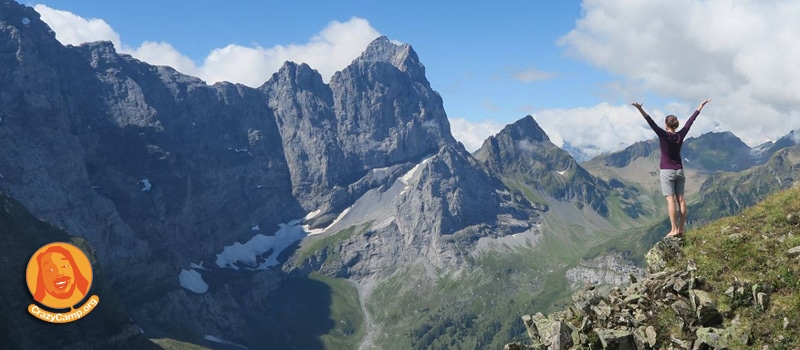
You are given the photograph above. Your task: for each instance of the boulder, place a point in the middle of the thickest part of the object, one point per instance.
(616, 339)
(705, 308)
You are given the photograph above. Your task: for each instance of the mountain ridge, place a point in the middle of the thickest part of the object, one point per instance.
(166, 175)
(353, 193)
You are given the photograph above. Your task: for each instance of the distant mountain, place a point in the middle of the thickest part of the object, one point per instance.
(717, 151)
(728, 193)
(763, 152)
(703, 155)
(581, 154)
(524, 157)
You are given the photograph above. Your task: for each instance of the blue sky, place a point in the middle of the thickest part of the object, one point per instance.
(574, 65)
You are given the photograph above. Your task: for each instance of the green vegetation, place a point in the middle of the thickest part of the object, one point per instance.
(753, 247)
(424, 309)
(316, 312)
(318, 244)
(518, 184)
(728, 193)
(345, 311)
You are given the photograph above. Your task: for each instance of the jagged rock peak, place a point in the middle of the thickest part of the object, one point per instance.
(401, 56)
(24, 25)
(298, 75)
(525, 129)
(15, 15)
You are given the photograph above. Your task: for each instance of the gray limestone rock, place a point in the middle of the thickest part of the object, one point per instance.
(616, 339)
(664, 251)
(555, 334)
(705, 308)
(793, 252)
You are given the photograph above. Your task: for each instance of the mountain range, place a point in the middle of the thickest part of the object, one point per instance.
(307, 215)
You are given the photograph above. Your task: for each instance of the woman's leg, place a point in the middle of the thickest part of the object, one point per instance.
(680, 183)
(672, 215)
(682, 209)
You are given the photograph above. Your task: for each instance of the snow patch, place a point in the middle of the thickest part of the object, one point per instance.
(146, 185)
(193, 281)
(561, 172)
(407, 177)
(322, 230)
(252, 252)
(381, 171)
(222, 341)
(312, 214)
(255, 228)
(198, 266)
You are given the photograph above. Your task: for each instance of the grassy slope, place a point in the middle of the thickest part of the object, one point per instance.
(469, 311)
(753, 247)
(423, 309)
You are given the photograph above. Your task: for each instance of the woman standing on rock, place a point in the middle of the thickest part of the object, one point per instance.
(672, 177)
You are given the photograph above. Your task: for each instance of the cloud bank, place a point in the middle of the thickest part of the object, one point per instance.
(743, 54)
(472, 134)
(335, 47)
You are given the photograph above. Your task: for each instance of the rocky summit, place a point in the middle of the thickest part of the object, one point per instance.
(716, 289)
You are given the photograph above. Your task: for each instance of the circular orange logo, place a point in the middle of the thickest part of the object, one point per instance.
(59, 275)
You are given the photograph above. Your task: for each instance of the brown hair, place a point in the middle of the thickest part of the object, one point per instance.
(81, 282)
(672, 122)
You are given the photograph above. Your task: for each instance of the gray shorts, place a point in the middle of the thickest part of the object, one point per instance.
(672, 181)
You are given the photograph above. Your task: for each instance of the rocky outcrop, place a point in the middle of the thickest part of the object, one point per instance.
(426, 215)
(667, 309)
(610, 269)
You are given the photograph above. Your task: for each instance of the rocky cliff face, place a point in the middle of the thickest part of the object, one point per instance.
(434, 214)
(167, 176)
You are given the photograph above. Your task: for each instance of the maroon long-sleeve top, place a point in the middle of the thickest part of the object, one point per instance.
(670, 142)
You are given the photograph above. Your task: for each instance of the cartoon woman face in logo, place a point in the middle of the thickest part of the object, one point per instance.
(59, 275)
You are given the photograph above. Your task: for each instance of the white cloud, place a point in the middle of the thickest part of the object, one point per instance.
(335, 47)
(600, 128)
(74, 30)
(743, 54)
(330, 51)
(606, 128)
(163, 54)
(472, 134)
